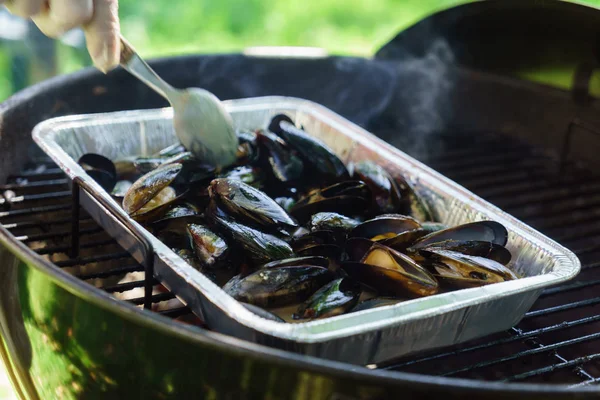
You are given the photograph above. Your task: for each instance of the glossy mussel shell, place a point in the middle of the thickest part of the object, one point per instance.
(385, 227)
(334, 298)
(386, 193)
(248, 204)
(278, 287)
(390, 272)
(477, 248)
(485, 231)
(461, 270)
(148, 186)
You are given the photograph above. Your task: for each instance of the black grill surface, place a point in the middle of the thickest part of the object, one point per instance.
(558, 341)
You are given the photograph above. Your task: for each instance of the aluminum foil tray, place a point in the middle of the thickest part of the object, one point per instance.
(365, 337)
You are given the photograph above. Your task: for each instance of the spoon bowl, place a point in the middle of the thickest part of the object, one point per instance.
(200, 120)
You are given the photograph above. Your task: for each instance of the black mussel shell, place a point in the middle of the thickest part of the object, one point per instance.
(313, 152)
(385, 192)
(385, 227)
(335, 298)
(348, 198)
(392, 273)
(404, 240)
(413, 204)
(486, 231)
(330, 221)
(469, 267)
(375, 303)
(158, 206)
(259, 246)
(299, 261)
(261, 312)
(210, 249)
(249, 205)
(278, 287)
(100, 169)
(248, 149)
(475, 248)
(356, 248)
(148, 186)
(284, 164)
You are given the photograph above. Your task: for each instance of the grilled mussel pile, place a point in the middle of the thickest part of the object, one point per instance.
(295, 234)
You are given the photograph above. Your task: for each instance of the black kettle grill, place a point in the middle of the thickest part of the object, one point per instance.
(465, 91)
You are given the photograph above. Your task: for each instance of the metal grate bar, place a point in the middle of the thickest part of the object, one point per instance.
(157, 298)
(57, 235)
(92, 259)
(66, 248)
(123, 287)
(111, 272)
(43, 184)
(572, 363)
(35, 210)
(36, 197)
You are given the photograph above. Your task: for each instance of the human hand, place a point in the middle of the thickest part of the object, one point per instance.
(98, 18)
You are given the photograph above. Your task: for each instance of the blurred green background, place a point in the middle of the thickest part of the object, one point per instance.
(162, 27)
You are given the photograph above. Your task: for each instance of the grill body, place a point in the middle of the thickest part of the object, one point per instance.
(61, 337)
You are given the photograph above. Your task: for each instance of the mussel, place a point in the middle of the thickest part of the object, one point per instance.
(385, 191)
(391, 273)
(478, 248)
(148, 186)
(259, 246)
(385, 227)
(249, 205)
(348, 198)
(299, 261)
(375, 303)
(461, 270)
(313, 152)
(486, 231)
(210, 249)
(100, 169)
(334, 298)
(277, 287)
(412, 203)
(330, 221)
(284, 164)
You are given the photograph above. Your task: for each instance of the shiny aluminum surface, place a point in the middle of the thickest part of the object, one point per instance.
(365, 337)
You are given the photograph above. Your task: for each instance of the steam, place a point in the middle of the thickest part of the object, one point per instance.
(422, 102)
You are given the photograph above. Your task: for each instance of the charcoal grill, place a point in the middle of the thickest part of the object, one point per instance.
(447, 91)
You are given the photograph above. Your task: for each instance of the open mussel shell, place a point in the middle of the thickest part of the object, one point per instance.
(330, 221)
(385, 192)
(335, 298)
(210, 248)
(299, 261)
(100, 169)
(486, 231)
(259, 246)
(261, 312)
(148, 186)
(412, 203)
(177, 217)
(477, 248)
(158, 206)
(385, 227)
(348, 198)
(249, 205)
(278, 287)
(248, 150)
(313, 152)
(375, 303)
(468, 267)
(356, 248)
(284, 164)
(391, 273)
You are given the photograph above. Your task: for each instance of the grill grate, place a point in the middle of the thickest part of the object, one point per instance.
(557, 341)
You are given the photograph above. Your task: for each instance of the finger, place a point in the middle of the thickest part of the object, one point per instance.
(64, 15)
(103, 35)
(25, 8)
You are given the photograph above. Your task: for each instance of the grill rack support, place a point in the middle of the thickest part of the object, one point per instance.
(146, 246)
